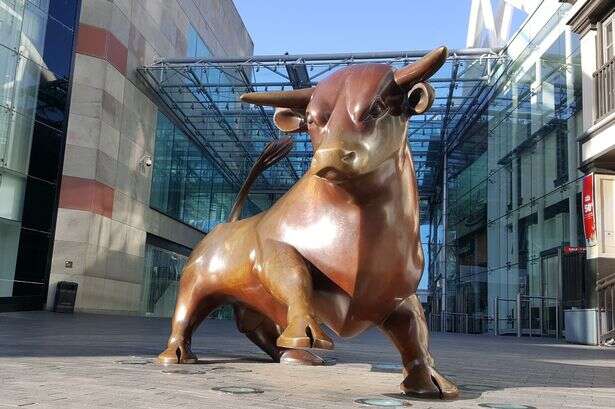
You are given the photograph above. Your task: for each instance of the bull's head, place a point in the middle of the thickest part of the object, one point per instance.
(357, 117)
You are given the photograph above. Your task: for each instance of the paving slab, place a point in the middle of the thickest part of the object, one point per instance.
(52, 360)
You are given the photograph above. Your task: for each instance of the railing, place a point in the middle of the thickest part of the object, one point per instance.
(606, 306)
(531, 315)
(459, 322)
(604, 89)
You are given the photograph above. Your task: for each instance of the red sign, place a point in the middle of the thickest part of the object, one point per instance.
(574, 249)
(589, 217)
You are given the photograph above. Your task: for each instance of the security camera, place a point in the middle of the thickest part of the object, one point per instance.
(145, 161)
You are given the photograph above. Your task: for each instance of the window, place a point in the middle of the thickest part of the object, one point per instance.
(196, 47)
(186, 185)
(608, 34)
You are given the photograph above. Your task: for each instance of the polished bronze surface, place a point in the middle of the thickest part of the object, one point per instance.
(342, 246)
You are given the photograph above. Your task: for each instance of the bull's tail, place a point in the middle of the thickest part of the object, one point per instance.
(274, 151)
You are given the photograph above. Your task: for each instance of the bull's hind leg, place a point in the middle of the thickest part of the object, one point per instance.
(407, 328)
(264, 333)
(195, 301)
(284, 272)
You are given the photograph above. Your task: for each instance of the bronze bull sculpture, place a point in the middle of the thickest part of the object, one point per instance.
(342, 246)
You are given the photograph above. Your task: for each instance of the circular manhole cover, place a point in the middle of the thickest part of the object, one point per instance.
(237, 390)
(505, 406)
(383, 402)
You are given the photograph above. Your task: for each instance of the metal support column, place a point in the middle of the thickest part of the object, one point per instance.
(444, 209)
(519, 315)
(497, 315)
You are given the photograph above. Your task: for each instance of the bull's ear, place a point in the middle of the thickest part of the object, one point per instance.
(290, 120)
(420, 98)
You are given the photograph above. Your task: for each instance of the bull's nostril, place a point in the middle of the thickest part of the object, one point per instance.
(349, 157)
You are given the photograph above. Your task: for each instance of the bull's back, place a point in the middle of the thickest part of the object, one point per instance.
(224, 253)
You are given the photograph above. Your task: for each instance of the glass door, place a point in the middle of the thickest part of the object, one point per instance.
(550, 287)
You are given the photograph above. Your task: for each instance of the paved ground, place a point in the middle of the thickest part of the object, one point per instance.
(90, 361)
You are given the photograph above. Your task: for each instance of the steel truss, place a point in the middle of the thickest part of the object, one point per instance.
(203, 95)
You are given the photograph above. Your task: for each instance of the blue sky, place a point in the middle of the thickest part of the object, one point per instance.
(319, 26)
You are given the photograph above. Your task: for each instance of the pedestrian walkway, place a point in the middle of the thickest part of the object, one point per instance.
(83, 361)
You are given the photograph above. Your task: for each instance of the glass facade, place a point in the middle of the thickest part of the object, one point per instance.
(186, 184)
(164, 262)
(36, 49)
(512, 191)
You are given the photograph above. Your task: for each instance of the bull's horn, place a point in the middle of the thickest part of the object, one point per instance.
(297, 98)
(422, 69)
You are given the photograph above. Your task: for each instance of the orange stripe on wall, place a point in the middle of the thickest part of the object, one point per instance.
(86, 194)
(98, 42)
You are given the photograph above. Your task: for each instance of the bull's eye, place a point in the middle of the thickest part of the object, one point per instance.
(310, 119)
(375, 111)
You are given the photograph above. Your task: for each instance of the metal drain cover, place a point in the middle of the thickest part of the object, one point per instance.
(237, 390)
(505, 406)
(229, 369)
(387, 367)
(184, 371)
(475, 387)
(383, 402)
(134, 361)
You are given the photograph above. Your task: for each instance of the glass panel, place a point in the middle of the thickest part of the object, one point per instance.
(15, 140)
(64, 11)
(9, 240)
(57, 56)
(11, 12)
(45, 154)
(7, 75)
(33, 32)
(162, 273)
(12, 191)
(31, 264)
(185, 183)
(39, 203)
(609, 27)
(509, 191)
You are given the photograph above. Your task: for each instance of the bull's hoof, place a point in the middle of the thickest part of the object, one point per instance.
(304, 332)
(423, 381)
(300, 357)
(177, 354)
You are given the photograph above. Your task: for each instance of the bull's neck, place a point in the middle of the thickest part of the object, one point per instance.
(390, 181)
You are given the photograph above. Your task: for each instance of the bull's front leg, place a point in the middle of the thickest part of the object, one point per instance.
(284, 272)
(407, 328)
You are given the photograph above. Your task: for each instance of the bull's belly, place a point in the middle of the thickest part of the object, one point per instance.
(349, 316)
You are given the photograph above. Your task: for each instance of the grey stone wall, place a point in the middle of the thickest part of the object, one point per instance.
(111, 127)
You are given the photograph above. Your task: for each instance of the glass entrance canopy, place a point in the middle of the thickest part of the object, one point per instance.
(202, 96)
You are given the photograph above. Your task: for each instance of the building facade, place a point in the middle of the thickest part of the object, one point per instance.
(508, 251)
(594, 22)
(36, 50)
(97, 184)
(125, 145)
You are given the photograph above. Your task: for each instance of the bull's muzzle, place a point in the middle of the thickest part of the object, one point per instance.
(335, 164)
